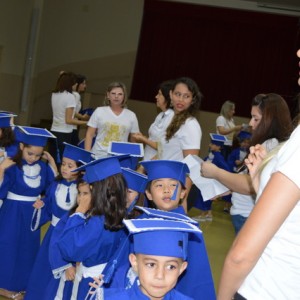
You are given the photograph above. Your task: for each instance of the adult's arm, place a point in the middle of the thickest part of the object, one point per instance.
(90, 133)
(274, 205)
(239, 183)
(69, 117)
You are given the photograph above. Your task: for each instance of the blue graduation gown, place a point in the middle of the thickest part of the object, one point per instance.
(196, 281)
(18, 244)
(56, 205)
(135, 293)
(87, 241)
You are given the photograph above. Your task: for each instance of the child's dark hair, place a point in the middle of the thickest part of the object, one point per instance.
(7, 137)
(134, 214)
(109, 199)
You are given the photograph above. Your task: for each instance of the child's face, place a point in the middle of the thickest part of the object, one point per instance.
(157, 274)
(245, 144)
(131, 195)
(84, 193)
(161, 191)
(31, 154)
(67, 166)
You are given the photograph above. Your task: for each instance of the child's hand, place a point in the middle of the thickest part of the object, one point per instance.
(70, 273)
(38, 203)
(6, 163)
(98, 282)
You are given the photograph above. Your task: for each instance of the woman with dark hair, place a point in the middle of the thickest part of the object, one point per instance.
(63, 109)
(183, 135)
(112, 122)
(271, 124)
(161, 122)
(78, 89)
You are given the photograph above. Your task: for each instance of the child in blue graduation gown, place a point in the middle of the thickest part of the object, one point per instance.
(165, 189)
(23, 180)
(159, 256)
(216, 157)
(93, 233)
(8, 145)
(60, 198)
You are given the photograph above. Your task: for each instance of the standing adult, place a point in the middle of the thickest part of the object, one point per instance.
(225, 125)
(78, 89)
(271, 124)
(264, 260)
(183, 135)
(158, 128)
(63, 108)
(113, 122)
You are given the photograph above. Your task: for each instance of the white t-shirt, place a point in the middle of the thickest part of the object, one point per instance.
(78, 105)
(60, 102)
(187, 137)
(111, 127)
(157, 130)
(243, 204)
(277, 273)
(227, 124)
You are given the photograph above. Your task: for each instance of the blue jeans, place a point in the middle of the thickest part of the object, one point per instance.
(238, 222)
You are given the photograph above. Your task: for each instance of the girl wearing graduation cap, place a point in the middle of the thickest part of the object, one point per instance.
(23, 180)
(92, 234)
(60, 198)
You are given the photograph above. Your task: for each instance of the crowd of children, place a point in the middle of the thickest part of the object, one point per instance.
(92, 207)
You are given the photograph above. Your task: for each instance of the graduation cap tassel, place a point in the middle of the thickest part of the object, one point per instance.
(174, 196)
(58, 160)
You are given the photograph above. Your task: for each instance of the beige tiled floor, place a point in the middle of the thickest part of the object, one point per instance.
(218, 235)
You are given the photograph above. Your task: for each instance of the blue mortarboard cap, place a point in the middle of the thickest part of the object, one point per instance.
(218, 139)
(135, 181)
(157, 169)
(5, 119)
(77, 154)
(33, 135)
(100, 169)
(161, 237)
(244, 135)
(134, 149)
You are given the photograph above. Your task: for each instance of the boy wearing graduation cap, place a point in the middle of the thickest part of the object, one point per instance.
(158, 264)
(166, 188)
(23, 180)
(166, 184)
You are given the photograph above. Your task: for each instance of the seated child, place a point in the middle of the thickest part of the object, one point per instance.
(158, 264)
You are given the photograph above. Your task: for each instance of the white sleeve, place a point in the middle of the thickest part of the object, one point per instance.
(220, 121)
(190, 135)
(288, 156)
(135, 124)
(93, 121)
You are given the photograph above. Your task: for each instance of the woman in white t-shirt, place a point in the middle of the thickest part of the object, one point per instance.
(225, 125)
(78, 89)
(113, 122)
(63, 108)
(264, 260)
(158, 128)
(183, 135)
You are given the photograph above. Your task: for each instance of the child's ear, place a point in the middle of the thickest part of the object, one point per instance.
(21, 145)
(148, 194)
(183, 267)
(182, 193)
(133, 262)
